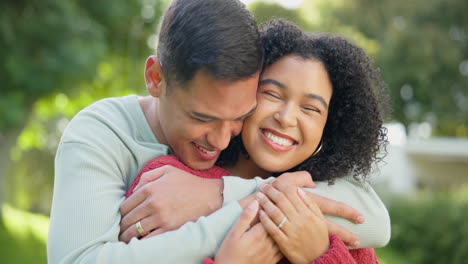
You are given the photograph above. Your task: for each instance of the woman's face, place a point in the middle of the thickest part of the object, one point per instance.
(292, 109)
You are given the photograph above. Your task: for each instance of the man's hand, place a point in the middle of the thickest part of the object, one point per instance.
(327, 206)
(166, 199)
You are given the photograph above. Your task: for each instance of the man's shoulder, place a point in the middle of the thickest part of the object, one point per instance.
(111, 107)
(104, 119)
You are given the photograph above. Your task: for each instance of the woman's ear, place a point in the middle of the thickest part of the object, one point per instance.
(154, 77)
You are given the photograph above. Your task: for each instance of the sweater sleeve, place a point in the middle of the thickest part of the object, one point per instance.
(338, 253)
(373, 233)
(85, 217)
(208, 261)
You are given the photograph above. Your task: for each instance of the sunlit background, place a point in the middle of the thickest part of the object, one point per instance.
(60, 56)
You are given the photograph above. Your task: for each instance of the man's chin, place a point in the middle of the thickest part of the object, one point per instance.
(200, 164)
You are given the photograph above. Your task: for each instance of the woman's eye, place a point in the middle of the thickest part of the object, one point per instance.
(313, 109)
(273, 95)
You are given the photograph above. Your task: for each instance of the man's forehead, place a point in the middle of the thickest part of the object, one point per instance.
(220, 99)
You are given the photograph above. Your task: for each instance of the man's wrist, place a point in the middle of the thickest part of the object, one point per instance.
(217, 190)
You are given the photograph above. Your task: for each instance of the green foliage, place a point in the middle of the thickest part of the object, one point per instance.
(48, 46)
(264, 11)
(421, 47)
(431, 229)
(31, 168)
(59, 57)
(423, 56)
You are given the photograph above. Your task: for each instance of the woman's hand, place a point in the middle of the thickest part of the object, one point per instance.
(242, 246)
(326, 206)
(294, 222)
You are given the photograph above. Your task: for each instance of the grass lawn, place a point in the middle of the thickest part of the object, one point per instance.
(22, 237)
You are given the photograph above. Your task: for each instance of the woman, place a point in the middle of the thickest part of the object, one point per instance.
(319, 108)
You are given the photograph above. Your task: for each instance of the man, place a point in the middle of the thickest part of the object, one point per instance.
(202, 84)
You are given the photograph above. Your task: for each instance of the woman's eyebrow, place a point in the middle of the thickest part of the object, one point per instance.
(318, 98)
(271, 81)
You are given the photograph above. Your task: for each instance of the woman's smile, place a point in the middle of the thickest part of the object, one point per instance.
(276, 140)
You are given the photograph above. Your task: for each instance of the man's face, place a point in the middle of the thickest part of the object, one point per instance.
(199, 120)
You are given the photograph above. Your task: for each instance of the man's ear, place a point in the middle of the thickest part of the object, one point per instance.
(154, 77)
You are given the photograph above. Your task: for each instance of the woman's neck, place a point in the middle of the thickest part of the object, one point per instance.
(247, 169)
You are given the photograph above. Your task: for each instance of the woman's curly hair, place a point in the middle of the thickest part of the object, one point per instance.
(354, 137)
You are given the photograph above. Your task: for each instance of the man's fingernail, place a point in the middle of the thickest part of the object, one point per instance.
(355, 244)
(360, 219)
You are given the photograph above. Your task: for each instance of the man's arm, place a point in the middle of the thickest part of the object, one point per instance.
(374, 232)
(85, 217)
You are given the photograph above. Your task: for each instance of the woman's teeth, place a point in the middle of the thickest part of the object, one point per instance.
(278, 140)
(206, 151)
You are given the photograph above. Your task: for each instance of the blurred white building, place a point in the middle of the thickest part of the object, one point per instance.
(421, 161)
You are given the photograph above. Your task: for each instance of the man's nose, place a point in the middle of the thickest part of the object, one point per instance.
(222, 134)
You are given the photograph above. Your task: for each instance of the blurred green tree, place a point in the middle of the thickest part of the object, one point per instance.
(423, 54)
(56, 51)
(420, 46)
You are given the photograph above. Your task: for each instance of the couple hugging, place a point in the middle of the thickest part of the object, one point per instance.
(252, 146)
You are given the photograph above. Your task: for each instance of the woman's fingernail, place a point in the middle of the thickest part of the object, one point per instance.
(300, 191)
(253, 205)
(260, 196)
(360, 219)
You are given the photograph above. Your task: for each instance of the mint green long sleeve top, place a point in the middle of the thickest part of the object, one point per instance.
(100, 153)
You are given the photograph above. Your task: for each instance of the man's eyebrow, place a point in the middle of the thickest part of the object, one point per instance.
(248, 113)
(204, 116)
(207, 116)
(283, 86)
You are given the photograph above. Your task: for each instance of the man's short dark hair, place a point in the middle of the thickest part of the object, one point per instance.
(219, 36)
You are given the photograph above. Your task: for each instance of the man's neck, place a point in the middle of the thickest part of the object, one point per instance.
(247, 169)
(149, 106)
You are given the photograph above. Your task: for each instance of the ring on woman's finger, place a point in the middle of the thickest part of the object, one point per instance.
(139, 228)
(282, 222)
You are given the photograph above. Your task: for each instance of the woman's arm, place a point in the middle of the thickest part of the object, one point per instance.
(338, 253)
